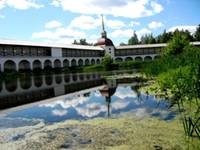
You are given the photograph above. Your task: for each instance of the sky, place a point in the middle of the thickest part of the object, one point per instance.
(63, 21)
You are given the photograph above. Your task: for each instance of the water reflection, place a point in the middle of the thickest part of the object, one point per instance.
(23, 90)
(105, 98)
(115, 97)
(38, 81)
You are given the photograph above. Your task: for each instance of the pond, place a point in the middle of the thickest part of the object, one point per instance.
(60, 97)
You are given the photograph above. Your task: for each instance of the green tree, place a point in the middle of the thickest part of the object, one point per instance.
(148, 39)
(197, 34)
(133, 40)
(177, 44)
(107, 61)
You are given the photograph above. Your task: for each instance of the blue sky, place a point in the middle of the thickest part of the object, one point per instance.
(62, 21)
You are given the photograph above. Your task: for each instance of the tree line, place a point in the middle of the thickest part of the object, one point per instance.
(164, 37)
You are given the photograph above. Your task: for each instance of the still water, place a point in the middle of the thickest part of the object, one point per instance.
(54, 98)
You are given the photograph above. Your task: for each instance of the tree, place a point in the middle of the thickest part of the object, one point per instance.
(177, 44)
(148, 39)
(107, 61)
(81, 42)
(133, 40)
(197, 34)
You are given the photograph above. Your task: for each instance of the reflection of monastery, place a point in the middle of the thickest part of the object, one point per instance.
(15, 55)
(31, 89)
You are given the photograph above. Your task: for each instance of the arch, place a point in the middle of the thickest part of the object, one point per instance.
(138, 58)
(58, 79)
(98, 61)
(81, 77)
(87, 62)
(74, 77)
(24, 65)
(66, 63)
(49, 79)
(67, 78)
(47, 64)
(9, 65)
(57, 63)
(37, 64)
(11, 85)
(92, 61)
(147, 58)
(73, 63)
(38, 81)
(25, 82)
(128, 59)
(80, 62)
(118, 59)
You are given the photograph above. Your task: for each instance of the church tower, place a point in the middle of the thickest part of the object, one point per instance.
(105, 42)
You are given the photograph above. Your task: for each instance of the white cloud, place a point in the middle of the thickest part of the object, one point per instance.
(20, 4)
(55, 3)
(114, 24)
(122, 33)
(192, 29)
(142, 32)
(85, 22)
(91, 110)
(120, 104)
(60, 35)
(154, 25)
(157, 8)
(53, 24)
(134, 23)
(60, 113)
(120, 8)
(125, 92)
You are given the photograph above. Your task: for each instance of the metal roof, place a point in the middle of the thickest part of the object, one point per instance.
(56, 45)
(149, 45)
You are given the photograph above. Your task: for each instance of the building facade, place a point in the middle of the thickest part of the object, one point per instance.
(20, 55)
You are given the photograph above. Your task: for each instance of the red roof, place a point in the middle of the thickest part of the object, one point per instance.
(104, 41)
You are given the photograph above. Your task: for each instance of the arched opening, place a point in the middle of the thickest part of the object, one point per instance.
(25, 82)
(73, 62)
(48, 79)
(98, 61)
(66, 63)
(87, 62)
(74, 77)
(47, 64)
(24, 65)
(81, 77)
(57, 64)
(11, 85)
(38, 81)
(92, 61)
(9, 65)
(58, 79)
(118, 59)
(67, 78)
(147, 58)
(80, 62)
(37, 65)
(128, 59)
(138, 59)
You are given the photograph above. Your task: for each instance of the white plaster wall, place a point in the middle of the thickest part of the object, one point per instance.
(56, 52)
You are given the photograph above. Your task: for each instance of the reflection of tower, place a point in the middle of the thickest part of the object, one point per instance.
(108, 91)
